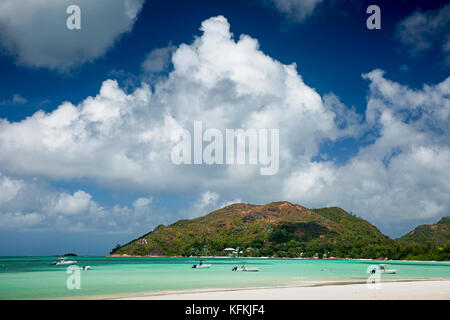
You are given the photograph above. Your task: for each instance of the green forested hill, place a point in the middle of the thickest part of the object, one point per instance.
(279, 229)
(434, 234)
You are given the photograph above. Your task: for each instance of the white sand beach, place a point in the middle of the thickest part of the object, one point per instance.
(430, 290)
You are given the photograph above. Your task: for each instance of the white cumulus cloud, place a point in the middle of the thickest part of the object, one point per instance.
(423, 30)
(297, 10)
(158, 59)
(123, 140)
(31, 204)
(43, 40)
(68, 204)
(404, 173)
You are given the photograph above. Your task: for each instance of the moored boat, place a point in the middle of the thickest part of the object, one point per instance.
(245, 269)
(382, 269)
(201, 265)
(62, 261)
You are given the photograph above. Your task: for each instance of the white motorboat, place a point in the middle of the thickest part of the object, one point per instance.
(198, 266)
(85, 267)
(245, 269)
(201, 265)
(383, 270)
(62, 261)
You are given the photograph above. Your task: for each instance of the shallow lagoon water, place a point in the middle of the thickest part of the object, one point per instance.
(36, 278)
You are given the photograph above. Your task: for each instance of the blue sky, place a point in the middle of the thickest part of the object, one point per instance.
(72, 197)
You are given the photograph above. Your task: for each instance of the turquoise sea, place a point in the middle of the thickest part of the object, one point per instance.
(37, 278)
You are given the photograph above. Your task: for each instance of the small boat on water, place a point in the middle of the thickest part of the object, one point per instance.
(85, 267)
(201, 265)
(245, 269)
(382, 269)
(62, 261)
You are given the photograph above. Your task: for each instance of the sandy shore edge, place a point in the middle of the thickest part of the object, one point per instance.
(398, 290)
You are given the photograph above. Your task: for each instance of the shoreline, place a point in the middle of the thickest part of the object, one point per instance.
(298, 258)
(402, 289)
